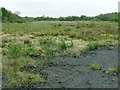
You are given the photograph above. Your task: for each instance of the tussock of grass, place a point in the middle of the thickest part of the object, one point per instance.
(19, 62)
(94, 66)
(78, 47)
(93, 45)
(108, 42)
(111, 70)
(25, 79)
(14, 50)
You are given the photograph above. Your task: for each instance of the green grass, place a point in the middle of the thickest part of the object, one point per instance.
(94, 66)
(14, 50)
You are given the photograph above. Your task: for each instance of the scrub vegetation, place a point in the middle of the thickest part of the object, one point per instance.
(21, 42)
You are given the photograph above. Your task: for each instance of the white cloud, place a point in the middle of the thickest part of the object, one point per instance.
(60, 7)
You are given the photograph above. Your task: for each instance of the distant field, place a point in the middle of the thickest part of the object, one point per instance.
(46, 40)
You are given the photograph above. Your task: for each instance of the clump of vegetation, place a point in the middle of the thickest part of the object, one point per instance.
(47, 47)
(16, 77)
(111, 70)
(93, 45)
(26, 41)
(62, 45)
(52, 63)
(30, 51)
(52, 47)
(94, 66)
(59, 24)
(14, 50)
(72, 35)
(26, 79)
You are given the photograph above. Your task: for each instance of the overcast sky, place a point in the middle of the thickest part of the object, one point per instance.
(56, 8)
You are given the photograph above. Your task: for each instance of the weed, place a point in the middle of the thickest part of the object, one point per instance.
(94, 66)
(111, 70)
(14, 50)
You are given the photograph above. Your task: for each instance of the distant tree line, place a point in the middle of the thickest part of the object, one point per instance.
(102, 17)
(8, 16)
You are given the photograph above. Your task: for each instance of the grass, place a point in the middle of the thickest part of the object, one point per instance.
(111, 70)
(26, 79)
(94, 66)
(16, 77)
(14, 50)
(21, 42)
(93, 45)
(107, 70)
